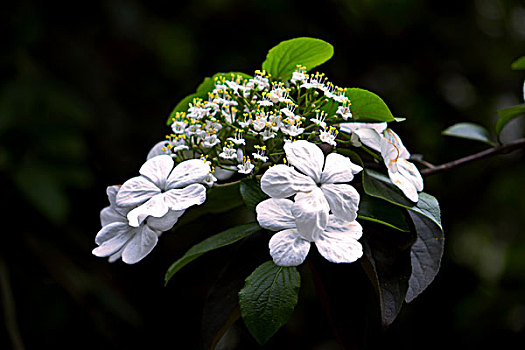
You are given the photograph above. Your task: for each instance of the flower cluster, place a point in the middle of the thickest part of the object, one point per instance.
(147, 205)
(249, 126)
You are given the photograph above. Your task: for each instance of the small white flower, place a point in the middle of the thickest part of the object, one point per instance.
(161, 188)
(319, 119)
(228, 152)
(117, 239)
(317, 179)
(292, 130)
(260, 153)
(344, 112)
(298, 76)
(267, 134)
(328, 136)
(246, 167)
(335, 239)
(238, 139)
(178, 127)
(210, 141)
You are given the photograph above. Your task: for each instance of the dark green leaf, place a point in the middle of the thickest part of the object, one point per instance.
(219, 240)
(519, 64)
(387, 264)
(268, 299)
(378, 185)
(283, 59)
(508, 114)
(382, 212)
(251, 193)
(425, 254)
(468, 131)
(368, 107)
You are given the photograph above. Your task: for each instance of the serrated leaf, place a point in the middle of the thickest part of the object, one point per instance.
(508, 114)
(387, 264)
(468, 131)
(283, 59)
(268, 299)
(251, 193)
(368, 107)
(378, 185)
(425, 255)
(219, 240)
(381, 212)
(519, 64)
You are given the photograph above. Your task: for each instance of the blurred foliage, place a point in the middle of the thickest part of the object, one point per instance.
(86, 87)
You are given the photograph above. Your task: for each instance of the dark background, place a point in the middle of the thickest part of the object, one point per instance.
(86, 88)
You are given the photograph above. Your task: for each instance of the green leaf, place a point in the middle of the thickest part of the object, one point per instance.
(376, 210)
(378, 185)
(268, 298)
(282, 59)
(368, 107)
(508, 114)
(251, 193)
(519, 64)
(386, 261)
(468, 131)
(219, 240)
(182, 106)
(425, 254)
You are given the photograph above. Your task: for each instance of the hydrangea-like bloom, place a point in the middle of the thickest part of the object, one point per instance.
(402, 173)
(336, 242)
(117, 239)
(161, 188)
(315, 182)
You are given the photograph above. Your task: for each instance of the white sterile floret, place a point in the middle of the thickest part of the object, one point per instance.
(402, 173)
(118, 240)
(316, 179)
(298, 225)
(161, 188)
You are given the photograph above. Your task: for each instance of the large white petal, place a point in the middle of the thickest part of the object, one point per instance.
(140, 245)
(157, 169)
(343, 200)
(311, 213)
(338, 168)
(288, 249)
(136, 191)
(370, 138)
(275, 214)
(183, 198)
(340, 247)
(166, 222)
(155, 206)
(282, 181)
(390, 154)
(306, 157)
(112, 237)
(188, 172)
(404, 184)
(109, 215)
(391, 136)
(411, 173)
(351, 127)
(351, 229)
(157, 150)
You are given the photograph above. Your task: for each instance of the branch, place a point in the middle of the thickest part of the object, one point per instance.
(503, 149)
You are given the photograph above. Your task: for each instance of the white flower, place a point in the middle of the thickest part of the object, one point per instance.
(328, 136)
(228, 152)
(319, 119)
(335, 239)
(298, 76)
(117, 239)
(292, 130)
(210, 141)
(402, 173)
(267, 134)
(161, 188)
(315, 179)
(246, 167)
(344, 112)
(238, 139)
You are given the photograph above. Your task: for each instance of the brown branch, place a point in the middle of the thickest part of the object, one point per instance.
(502, 149)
